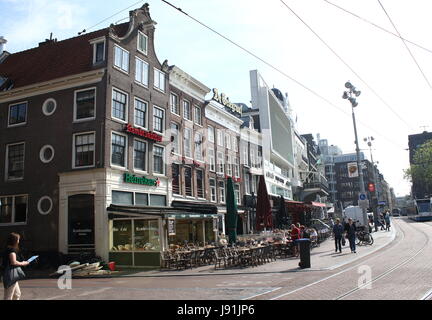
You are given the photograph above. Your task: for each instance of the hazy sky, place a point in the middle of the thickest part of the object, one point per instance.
(395, 99)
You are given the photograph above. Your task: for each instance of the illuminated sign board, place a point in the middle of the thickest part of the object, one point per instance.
(224, 100)
(143, 133)
(130, 178)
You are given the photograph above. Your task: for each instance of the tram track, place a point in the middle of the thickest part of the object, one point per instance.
(376, 278)
(391, 270)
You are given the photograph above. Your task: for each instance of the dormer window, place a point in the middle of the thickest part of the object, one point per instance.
(98, 50)
(142, 42)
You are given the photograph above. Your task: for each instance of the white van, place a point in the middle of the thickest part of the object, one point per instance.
(356, 214)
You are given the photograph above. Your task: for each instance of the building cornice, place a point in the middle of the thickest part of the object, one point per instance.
(188, 84)
(52, 85)
(216, 106)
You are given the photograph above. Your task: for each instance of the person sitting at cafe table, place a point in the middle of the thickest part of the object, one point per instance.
(222, 240)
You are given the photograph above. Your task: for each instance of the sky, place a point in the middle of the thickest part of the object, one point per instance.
(396, 91)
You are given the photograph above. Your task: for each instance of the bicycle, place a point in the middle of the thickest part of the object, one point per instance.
(364, 238)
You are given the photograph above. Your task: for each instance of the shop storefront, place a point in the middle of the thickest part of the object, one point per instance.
(138, 234)
(199, 229)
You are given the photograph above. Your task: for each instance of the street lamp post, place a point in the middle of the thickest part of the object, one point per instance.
(375, 180)
(349, 95)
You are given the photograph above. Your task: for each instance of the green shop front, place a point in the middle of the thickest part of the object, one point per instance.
(138, 234)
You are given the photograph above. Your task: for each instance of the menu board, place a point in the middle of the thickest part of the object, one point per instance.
(171, 227)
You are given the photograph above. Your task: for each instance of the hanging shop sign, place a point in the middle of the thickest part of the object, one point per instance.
(130, 178)
(224, 100)
(352, 170)
(215, 225)
(143, 133)
(171, 227)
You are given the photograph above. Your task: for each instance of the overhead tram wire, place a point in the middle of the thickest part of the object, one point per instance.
(379, 27)
(280, 71)
(133, 5)
(412, 56)
(349, 67)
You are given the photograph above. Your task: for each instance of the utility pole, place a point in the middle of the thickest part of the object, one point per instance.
(349, 95)
(375, 180)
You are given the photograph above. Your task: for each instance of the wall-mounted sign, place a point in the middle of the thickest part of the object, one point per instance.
(171, 227)
(215, 225)
(224, 100)
(143, 133)
(130, 178)
(352, 170)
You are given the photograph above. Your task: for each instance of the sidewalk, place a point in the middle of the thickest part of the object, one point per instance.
(322, 258)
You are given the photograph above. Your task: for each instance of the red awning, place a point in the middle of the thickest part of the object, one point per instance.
(293, 202)
(318, 204)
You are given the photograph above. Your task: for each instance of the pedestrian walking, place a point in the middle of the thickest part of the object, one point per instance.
(387, 221)
(351, 234)
(295, 235)
(338, 230)
(12, 268)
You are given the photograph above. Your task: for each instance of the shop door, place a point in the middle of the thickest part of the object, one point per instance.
(81, 224)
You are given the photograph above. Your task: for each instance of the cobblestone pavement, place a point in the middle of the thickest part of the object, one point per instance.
(397, 266)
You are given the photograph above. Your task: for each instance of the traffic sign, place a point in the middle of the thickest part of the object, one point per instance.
(362, 196)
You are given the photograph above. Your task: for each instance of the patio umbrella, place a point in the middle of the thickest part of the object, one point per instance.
(263, 207)
(232, 215)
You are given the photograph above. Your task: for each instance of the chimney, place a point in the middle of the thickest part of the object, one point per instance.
(2, 44)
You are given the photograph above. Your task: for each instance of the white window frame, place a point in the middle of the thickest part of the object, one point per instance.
(7, 162)
(215, 190)
(190, 155)
(190, 110)
(211, 137)
(146, 113)
(229, 166)
(228, 140)
(200, 123)
(220, 137)
(179, 137)
(198, 155)
(140, 82)
(212, 159)
(73, 149)
(236, 167)
(221, 196)
(95, 43)
(238, 198)
(9, 110)
(178, 104)
(203, 184)
(13, 210)
(126, 107)
(247, 183)
(138, 42)
(163, 160)
(126, 150)
(234, 143)
(220, 164)
(145, 171)
(163, 119)
(120, 68)
(75, 105)
(156, 85)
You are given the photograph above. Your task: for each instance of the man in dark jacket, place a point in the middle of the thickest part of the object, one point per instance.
(338, 230)
(351, 234)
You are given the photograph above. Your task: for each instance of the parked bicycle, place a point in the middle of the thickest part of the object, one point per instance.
(364, 238)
